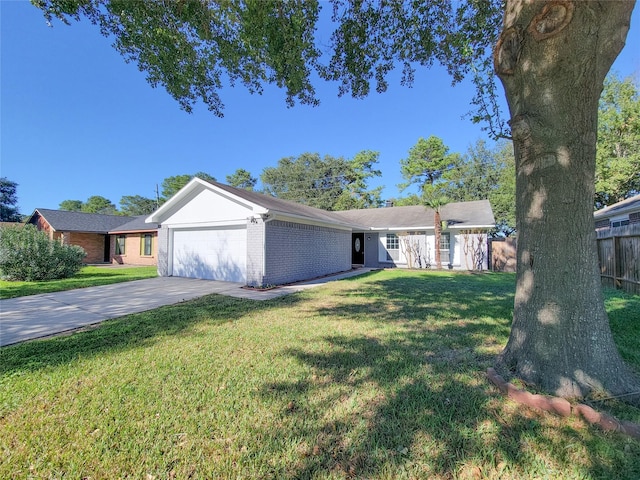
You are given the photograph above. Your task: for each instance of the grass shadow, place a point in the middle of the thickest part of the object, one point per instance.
(417, 404)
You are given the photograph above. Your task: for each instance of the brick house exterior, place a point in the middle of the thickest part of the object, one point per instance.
(91, 231)
(288, 245)
(135, 243)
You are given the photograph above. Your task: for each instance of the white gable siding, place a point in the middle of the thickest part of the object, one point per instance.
(208, 208)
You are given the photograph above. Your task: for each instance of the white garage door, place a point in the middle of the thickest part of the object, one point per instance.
(215, 254)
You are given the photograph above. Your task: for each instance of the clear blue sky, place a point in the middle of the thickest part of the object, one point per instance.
(76, 120)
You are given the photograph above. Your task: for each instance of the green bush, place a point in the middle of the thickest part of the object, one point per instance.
(27, 254)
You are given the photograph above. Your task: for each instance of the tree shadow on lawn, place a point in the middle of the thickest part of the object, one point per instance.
(130, 331)
(466, 303)
(416, 404)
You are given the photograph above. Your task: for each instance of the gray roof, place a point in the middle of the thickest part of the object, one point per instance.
(459, 214)
(138, 224)
(631, 204)
(284, 206)
(64, 221)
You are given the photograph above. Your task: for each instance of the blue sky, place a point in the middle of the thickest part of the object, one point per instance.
(76, 120)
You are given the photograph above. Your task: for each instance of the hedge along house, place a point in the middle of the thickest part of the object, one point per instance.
(210, 230)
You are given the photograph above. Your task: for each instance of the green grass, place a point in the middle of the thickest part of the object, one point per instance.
(378, 377)
(87, 277)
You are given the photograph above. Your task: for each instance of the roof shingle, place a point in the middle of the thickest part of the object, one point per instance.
(65, 221)
(458, 214)
(138, 224)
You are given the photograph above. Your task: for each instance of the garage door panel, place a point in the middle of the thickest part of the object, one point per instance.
(216, 254)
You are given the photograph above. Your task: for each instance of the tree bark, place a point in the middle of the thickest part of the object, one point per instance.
(437, 226)
(552, 58)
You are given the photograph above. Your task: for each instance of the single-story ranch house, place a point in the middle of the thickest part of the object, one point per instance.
(105, 238)
(214, 231)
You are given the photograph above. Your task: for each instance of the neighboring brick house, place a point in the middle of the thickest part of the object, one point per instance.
(135, 243)
(626, 212)
(91, 231)
(211, 230)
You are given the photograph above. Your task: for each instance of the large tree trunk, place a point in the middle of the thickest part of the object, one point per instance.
(552, 58)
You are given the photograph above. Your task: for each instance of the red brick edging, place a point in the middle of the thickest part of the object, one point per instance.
(562, 407)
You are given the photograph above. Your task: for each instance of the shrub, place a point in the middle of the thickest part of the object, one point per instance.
(28, 254)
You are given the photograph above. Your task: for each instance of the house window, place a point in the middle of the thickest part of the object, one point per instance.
(392, 241)
(620, 223)
(120, 241)
(445, 240)
(145, 244)
(393, 247)
(445, 245)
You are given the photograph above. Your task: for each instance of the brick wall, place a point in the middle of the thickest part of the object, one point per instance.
(42, 225)
(132, 251)
(255, 252)
(93, 244)
(299, 252)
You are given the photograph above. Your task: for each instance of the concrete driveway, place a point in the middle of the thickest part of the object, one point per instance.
(35, 316)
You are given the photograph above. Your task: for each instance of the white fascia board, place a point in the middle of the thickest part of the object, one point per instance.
(194, 184)
(612, 210)
(470, 227)
(288, 217)
(226, 223)
(415, 229)
(156, 216)
(622, 214)
(399, 229)
(257, 209)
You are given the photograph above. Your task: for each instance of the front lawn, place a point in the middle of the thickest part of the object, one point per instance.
(380, 377)
(87, 277)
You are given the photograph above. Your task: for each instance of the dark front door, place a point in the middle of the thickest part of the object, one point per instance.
(357, 248)
(107, 248)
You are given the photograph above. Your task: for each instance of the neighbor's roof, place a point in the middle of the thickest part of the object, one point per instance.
(64, 221)
(475, 214)
(631, 204)
(138, 224)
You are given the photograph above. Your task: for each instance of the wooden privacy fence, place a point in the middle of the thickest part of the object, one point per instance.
(502, 254)
(619, 256)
